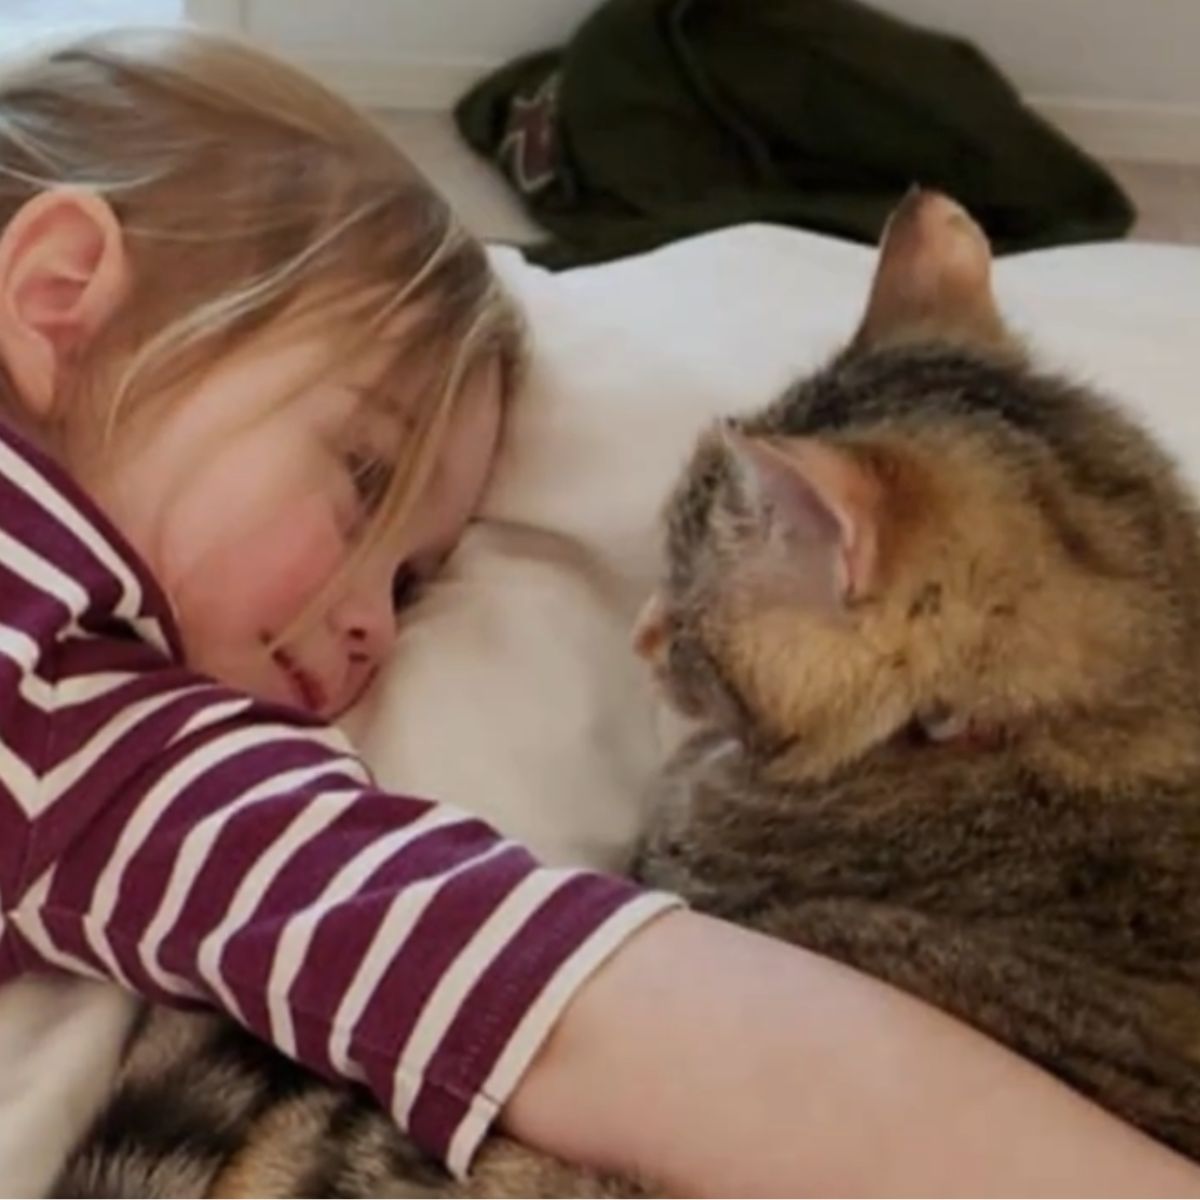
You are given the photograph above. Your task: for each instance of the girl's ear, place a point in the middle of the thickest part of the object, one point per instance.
(63, 274)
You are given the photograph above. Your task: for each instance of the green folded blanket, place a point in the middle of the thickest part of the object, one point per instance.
(664, 118)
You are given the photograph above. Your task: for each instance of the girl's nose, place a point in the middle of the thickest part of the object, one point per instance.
(366, 619)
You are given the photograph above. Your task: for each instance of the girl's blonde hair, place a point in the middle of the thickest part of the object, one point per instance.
(246, 192)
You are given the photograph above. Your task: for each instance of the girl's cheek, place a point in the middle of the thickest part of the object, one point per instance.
(306, 550)
(264, 580)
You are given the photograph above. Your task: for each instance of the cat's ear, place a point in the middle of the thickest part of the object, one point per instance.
(819, 506)
(934, 277)
(650, 629)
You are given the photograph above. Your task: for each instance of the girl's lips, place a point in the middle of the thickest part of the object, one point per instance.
(308, 690)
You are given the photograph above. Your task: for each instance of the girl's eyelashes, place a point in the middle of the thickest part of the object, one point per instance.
(406, 587)
(370, 476)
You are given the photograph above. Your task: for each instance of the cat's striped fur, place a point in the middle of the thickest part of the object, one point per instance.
(204, 1108)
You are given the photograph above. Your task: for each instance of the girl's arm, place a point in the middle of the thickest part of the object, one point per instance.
(723, 1063)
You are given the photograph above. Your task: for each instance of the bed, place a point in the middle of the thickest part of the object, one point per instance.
(512, 692)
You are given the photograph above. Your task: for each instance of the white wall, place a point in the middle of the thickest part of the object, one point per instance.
(1122, 76)
(478, 32)
(409, 53)
(1140, 50)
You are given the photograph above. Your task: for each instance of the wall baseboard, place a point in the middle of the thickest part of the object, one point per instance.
(1127, 131)
(1108, 129)
(414, 84)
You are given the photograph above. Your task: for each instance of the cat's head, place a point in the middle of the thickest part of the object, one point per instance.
(928, 539)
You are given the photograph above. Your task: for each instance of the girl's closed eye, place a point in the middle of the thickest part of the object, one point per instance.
(368, 476)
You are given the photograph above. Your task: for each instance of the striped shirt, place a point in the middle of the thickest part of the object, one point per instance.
(194, 844)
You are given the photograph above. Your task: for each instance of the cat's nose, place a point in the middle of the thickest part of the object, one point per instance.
(650, 629)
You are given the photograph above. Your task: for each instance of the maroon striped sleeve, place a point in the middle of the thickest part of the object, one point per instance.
(194, 844)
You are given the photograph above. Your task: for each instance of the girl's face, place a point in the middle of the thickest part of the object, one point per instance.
(245, 507)
(249, 498)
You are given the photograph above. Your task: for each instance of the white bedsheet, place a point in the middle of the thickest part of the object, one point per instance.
(514, 694)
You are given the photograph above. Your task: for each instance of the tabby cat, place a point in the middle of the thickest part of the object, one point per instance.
(938, 617)
(939, 614)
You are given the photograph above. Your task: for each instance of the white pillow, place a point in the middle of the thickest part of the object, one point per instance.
(513, 692)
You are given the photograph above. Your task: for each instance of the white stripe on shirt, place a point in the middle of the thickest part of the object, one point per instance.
(527, 1038)
(71, 770)
(27, 917)
(393, 932)
(21, 650)
(42, 574)
(321, 811)
(158, 799)
(54, 698)
(21, 782)
(52, 501)
(445, 1002)
(294, 944)
(193, 856)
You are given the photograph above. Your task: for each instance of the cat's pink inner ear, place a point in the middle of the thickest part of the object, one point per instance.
(824, 503)
(650, 629)
(934, 275)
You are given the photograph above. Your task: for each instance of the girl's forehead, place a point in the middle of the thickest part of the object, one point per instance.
(366, 390)
(371, 383)
(391, 383)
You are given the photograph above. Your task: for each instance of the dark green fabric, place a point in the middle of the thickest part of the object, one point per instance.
(663, 118)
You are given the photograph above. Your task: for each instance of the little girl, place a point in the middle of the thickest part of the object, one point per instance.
(253, 379)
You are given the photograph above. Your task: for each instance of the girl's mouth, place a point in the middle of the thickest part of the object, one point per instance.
(308, 690)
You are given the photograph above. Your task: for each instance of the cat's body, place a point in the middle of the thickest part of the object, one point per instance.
(204, 1108)
(940, 614)
(939, 618)
(1064, 924)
